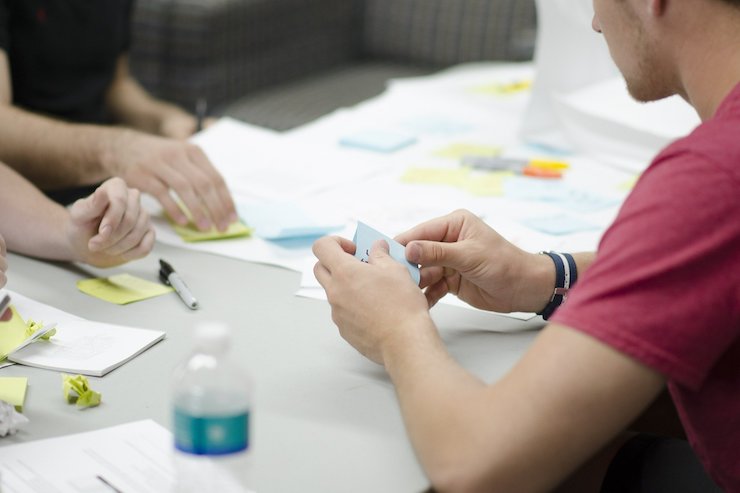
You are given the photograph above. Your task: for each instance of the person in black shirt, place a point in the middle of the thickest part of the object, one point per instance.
(64, 76)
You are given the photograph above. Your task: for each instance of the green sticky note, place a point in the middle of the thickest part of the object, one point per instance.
(628, 185)
(488, 184)
(13, 391)
(12, 333)
(461, 149)
(77, 391)
(456, 177)
(191, 233)
(122, 289)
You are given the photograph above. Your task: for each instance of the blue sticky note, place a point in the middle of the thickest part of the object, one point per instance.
(561, 224)
(282, 221)
(587, 201)
(378, 140)
(364, 238)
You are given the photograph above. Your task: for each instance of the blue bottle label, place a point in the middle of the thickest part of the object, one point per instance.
(211, 435)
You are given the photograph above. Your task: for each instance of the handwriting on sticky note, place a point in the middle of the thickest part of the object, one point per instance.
(122, 289)
(364, 238)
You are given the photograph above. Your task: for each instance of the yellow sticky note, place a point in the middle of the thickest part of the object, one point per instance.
(122, 289)
(461, 149)
(12, 333)
(488, 184)
(505, 88)
(456, 177)
(77, 390)
(628, 185)
(13, 391)
(191, 234)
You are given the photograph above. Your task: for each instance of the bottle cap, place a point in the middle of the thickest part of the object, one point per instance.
(212, 336)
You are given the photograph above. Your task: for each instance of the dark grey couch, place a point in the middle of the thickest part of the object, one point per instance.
(282, 63)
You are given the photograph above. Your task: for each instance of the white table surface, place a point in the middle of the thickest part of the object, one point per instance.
(325, 419)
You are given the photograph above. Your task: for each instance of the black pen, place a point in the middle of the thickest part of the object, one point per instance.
(168, 276)
(201, 109)
(108, 484)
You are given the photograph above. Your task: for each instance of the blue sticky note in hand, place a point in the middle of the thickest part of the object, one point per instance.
(364, 238)
(378, 140)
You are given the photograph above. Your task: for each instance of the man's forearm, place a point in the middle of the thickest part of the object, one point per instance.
(54, 154)
(31, 223)
(131, 105)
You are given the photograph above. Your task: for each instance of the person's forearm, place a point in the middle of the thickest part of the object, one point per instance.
(444, 409)
(53, 154)
(131, 105)
(31, 223)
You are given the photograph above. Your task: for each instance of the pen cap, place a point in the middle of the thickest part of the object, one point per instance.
(212, 337)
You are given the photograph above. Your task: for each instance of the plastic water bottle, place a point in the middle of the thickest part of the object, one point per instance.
(212, 402)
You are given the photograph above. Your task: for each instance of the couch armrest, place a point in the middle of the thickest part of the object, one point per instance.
(446, 32)
(221, 49)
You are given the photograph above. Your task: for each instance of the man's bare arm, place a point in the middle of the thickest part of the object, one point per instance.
(131, 105)
(50, 153)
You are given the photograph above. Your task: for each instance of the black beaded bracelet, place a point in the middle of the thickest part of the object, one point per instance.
(566, 275)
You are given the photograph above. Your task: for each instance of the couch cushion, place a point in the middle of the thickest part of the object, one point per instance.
(445, 32)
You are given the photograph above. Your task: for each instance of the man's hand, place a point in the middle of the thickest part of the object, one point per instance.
(374, 304)
(182, 125)
(109, 227)
(156, 165)
(462, 255)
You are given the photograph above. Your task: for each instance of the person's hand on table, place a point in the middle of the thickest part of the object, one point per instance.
(462, 255)
(109, 227)
(374, 304)
(157, 165)
(182, 126)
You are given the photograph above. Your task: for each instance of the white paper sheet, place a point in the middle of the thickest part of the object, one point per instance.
(80, 346)
(135, 457)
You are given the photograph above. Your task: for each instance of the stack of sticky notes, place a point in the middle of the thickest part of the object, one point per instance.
(191, 233)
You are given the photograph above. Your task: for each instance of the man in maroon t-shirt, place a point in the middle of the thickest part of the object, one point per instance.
(658, 307)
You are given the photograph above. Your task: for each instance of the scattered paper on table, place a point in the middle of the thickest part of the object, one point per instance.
(459, 150)
(378, 140)
(561, 224)
(456, 177)
(282, 220)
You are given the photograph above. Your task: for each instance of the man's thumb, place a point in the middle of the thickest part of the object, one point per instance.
(433, 253)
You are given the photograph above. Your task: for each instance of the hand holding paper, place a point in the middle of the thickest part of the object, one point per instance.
(373, 301)
(462, 255)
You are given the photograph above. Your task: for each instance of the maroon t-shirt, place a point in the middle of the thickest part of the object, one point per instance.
(665, 286)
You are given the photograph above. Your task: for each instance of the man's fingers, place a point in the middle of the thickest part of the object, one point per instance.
(446, 228)
(436, 292)
(133, 236)
(333, 251)
(217, 196)
(142, 249)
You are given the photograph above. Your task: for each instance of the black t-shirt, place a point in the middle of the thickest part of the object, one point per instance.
(63, 53)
